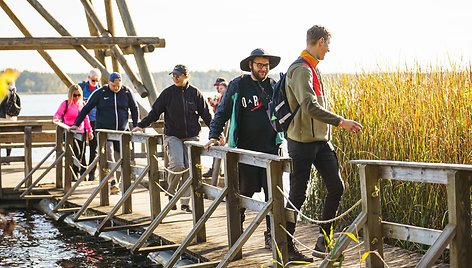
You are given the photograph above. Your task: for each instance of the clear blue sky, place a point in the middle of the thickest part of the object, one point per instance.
(367, 35)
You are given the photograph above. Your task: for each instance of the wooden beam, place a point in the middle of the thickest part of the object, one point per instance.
(111, 30)
(138, 51)
(117, 53)
(99, 54)
(64, 77)
(410, 233)
(62, 31)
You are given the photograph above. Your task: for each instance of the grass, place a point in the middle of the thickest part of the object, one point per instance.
(414, 115)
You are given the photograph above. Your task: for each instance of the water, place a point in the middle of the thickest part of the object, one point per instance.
(41, 242)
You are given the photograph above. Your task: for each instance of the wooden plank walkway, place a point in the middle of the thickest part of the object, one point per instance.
(177, 225)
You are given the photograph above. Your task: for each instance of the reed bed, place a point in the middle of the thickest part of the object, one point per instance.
(413, 115)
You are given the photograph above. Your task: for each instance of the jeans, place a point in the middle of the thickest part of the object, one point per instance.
(322, 155)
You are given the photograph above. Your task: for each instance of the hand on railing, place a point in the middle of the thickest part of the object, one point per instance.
(213, 142)
(73, 128)
(137, 129)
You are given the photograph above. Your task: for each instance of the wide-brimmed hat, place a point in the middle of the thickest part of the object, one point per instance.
(259, 52)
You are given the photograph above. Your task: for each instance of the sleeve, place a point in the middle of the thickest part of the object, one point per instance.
(87, 125)
(223, 111)
(303, 84)
(203, 109)
(91, 103)
(60, 111)
(133, 108)
(156, 111)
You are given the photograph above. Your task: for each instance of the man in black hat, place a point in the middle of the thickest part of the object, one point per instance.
(182, 105)
(250, 128)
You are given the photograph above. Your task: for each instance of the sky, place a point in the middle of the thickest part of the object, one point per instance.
(367, 35)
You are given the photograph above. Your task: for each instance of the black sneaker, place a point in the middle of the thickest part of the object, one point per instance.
(208, 174)
(295, 255)
(175, 206)
(267, 240)
(185, 208)
(91, 177)
(320, 250)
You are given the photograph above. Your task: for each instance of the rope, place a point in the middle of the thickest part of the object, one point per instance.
(318, 221)
(176, 172)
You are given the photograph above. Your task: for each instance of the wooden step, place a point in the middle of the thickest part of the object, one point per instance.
(66, 210)
(121, 227)
(91, 218)
(209, 264)
(40, 196)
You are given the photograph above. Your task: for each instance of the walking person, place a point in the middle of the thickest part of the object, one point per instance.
(182, 104)
(67, 113)
(9, 109)
(88, 87)
(309, 135)
(245, 102)
(114, 103)
(220, 86)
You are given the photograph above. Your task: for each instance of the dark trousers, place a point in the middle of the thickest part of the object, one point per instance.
(93, 148)
(251, 180)
(79, 153)
(323, 157)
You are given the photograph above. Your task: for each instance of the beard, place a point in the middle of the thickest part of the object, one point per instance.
(260, 75)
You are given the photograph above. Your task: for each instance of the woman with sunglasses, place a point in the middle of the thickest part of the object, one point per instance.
(67, 113)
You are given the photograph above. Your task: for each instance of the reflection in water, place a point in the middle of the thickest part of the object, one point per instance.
(41, 242)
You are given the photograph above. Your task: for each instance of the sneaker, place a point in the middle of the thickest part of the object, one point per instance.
(320, 250)
(91, 177)
(185, 208)
(267, 240)
(208, 174)
(174, 207)
(295, 255)
(114, 190)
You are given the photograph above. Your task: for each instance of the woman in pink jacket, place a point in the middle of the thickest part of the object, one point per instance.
(67, 113)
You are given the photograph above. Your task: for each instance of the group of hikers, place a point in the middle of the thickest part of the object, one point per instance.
(244, 103)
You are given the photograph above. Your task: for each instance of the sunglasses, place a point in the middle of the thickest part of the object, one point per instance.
(77, 95)
(93, 80)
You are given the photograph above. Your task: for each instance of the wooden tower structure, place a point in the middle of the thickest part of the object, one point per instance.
(102, 41)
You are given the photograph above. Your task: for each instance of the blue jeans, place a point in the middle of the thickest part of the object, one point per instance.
(322, 155)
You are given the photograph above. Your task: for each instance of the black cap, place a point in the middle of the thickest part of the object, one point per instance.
(179, 69)
(220, 80)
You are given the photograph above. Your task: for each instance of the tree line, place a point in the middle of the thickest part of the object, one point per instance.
(37, 82)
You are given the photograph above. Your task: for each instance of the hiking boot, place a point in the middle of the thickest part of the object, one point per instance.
(267, 240)
(295, 255)
(114, 190)
(91, 177)
(320, 250)
(208, 174)
(175, 206)
(185, 208)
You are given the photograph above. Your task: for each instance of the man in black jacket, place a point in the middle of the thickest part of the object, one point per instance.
(114, 102)
(245, 102)
(182, 105)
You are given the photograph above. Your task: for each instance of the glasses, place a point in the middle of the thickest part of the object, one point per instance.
(77, 95)
(261, 65)
(93, 80)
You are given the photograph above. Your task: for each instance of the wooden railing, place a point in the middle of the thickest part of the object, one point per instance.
(456, 234)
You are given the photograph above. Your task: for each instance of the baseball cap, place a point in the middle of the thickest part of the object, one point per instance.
(179, 69)
(220, 80)
(114, 76)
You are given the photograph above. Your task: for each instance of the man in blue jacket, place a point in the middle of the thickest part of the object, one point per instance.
(88, 87)
(113, 102)
(245, 102)
(182, 105)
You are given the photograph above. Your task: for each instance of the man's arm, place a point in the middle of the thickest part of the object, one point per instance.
(203, 109)
(91, 103)
(133, 107)
(154, 114)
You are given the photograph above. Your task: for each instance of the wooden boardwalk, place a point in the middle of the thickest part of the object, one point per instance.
(177, 225)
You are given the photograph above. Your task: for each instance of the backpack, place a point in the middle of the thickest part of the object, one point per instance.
(13, 106)
(279, 111)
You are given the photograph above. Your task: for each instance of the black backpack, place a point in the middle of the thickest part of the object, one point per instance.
(279, 111)
(13, 106)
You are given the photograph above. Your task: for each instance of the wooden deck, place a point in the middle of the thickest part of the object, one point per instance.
(177, 225)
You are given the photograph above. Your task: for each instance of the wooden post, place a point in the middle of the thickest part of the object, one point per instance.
(69, 161)
(59, 151)
(126, 172)
(144, 72)
(197, 195)
(61, 30)
(28, 140)
(233, 202)
(99, 54)
(154, 190)
(458, 202)
(103, 167)
(117, 53)
(370, 193)
(1, 187)
(111, 30)
(274, 179)
(64, 77)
